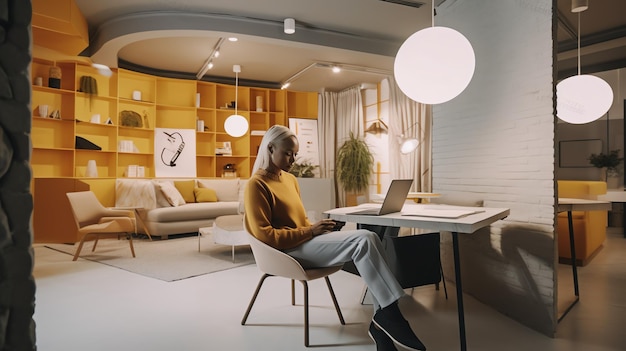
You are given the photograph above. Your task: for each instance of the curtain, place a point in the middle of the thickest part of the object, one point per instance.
(340, 113)
(413, 120)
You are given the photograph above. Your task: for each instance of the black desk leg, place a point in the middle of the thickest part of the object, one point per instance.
(572, 246)
(459, 290)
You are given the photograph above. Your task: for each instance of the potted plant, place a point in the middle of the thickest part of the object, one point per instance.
(303, 169)
(607, 162)
(354, 164)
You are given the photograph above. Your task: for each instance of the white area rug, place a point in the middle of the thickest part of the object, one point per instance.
(169, 260)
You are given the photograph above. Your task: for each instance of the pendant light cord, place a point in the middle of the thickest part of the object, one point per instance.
(236, 91)
(579, 43)
(432, 14)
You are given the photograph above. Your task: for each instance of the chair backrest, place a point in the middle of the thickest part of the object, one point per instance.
(86, 207)
(275, 262)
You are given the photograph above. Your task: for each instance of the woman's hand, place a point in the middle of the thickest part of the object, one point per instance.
(322, 226)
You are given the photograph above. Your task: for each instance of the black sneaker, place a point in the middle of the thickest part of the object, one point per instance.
(392, 323)
(382, 341)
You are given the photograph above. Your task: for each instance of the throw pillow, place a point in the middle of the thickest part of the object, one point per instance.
(161, 200)
(185, 188)
(226, 189)
(205, 195)
(171, 194)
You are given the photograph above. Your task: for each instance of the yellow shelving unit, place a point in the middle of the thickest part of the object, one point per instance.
(161, 103)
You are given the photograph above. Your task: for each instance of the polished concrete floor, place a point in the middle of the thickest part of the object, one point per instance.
(87, 306)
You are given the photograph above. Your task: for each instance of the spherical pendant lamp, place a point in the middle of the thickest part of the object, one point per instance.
(434, 65)
(583, 98)
(236, 125)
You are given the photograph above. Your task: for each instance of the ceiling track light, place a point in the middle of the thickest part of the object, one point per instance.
(290, 25)
(208, 64)
(336, 67)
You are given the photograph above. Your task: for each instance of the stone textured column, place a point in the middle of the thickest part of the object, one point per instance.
(17, 285)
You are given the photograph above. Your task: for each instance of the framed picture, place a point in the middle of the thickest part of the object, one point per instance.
(575, 153)
(174, 152)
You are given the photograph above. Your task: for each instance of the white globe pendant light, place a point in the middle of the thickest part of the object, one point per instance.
(434, 65)
(582, 98)
(236, 125)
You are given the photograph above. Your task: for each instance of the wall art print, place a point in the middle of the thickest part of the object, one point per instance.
(174, 152)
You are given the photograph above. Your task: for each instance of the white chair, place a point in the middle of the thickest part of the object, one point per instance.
(273, 262)
(93, 219)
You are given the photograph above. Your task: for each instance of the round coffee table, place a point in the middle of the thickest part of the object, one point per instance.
(227, 230)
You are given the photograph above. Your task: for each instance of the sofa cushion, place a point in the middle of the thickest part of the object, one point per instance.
(226, 189)
(185, 188)
(161, 200)
(171, 193)
(193, 211)
(205, 195)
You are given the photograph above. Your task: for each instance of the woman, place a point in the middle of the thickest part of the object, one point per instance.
(274, 214)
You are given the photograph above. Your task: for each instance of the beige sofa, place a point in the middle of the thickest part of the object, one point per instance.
(177, 206)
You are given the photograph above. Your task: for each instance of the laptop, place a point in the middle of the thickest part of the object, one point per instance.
(394, 200)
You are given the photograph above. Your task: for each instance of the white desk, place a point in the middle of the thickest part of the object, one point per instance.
(464, 225)
(569, 205)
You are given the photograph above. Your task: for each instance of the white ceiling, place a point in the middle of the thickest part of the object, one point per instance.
(176, 37)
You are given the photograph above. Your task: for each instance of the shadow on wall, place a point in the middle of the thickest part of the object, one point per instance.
(514, 270)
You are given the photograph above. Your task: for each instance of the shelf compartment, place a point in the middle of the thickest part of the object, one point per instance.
(208, 116)
(103, 135)
(277, 118)
(242, 165)
(87, 106)
(56, 99)
(143, 139)
(205, 144)
(175, 118)
(301, 105)
(176, 92)
(225, 94)
(277, 100)
(145, 110)
(240, 146)
(126, 159)
(255, 95)
(105, 162)
(207, 94)
(52, 133)
(129, 81)
(205, 166)
(52, 163)
(258, 121)
(107, 86)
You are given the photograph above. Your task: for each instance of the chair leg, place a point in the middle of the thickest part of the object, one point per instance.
(80, 247)
(293, 292)
(130, 241)
(95, 243)
(256, 293)
(443, 279)
(332, 295)
(306, 312)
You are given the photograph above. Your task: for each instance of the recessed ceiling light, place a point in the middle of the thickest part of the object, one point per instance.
(336, 69)
(232, 39)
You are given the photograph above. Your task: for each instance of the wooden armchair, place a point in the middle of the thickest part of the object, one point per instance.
(93, 219)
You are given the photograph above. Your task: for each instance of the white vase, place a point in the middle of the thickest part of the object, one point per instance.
(92, 169)
(43, 110)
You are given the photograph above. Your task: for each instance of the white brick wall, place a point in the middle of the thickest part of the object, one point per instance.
(496, 141)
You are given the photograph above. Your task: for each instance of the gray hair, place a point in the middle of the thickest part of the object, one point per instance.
(274, 135)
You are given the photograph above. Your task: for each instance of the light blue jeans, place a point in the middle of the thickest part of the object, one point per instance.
(361, 246)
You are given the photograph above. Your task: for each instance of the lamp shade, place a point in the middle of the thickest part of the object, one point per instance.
(582, 98)
(434, 65)
(236, 125)
(407, 145)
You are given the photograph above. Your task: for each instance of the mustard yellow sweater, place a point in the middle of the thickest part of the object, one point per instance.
(274, 212)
